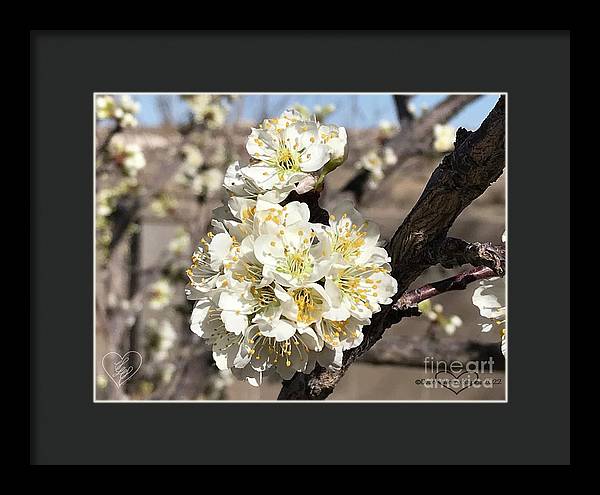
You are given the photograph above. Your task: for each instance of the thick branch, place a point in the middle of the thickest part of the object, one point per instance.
(477, 161)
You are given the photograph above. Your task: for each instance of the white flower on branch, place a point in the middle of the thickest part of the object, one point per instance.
(162, 337)
(207, 182)
(240, 184)
(274, 291)
(180, 243)
(160, 294)
(435, 314)
(192, 157)
(444, 136)
(207, 109)
(107, 108)
(122, 110)
(389, 156)
(128, 156)
(490, 298)
(386, 129)
(288, 149)
(129, 105)
(375, 162)
(163, 205)
(285, 155)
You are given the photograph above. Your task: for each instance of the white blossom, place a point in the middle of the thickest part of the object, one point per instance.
(336, 139)
(207, 109)
(192, 156)
(387, 129)
(444, 136)
(162, 337)
(240, 184)
(290, 148)
(129, 105)
(106, 107)
(490, 298)
(160, 294)
(122, 110)
(389, 156)
(285, 155)
(180, 243)
(435, 314)
(350, 239)
(290, 256)
(375, 162)
(207, 181)
(275, 292)
(163, 205)
(128, 156)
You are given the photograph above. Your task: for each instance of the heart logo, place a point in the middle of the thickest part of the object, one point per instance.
(121, 368)
(454, 383)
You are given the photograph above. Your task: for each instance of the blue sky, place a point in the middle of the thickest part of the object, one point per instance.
(352, 110)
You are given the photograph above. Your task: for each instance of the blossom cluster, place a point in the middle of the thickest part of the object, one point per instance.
(122, 110)
(195, 173)
(276, 292)
(435, 314)
(210, 110)
(375, 162)
(129, 157)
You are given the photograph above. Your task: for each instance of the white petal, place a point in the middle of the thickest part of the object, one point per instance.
(219, 249)
(267, 249)
(234, 322)
(314, 158)
(282, 330)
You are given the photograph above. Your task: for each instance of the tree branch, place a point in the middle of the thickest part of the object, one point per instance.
(110, 134)
(406, 303)
(462, 176)
(456, 252)
(402, 112)
(415, 136)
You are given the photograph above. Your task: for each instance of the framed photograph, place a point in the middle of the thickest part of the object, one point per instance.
(298, 252)
(245, 240)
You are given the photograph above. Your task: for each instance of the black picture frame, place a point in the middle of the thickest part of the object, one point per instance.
(67, 67)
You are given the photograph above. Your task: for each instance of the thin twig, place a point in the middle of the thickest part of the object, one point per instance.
(409, 300)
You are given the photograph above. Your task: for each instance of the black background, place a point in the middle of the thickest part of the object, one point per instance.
(67, 427)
